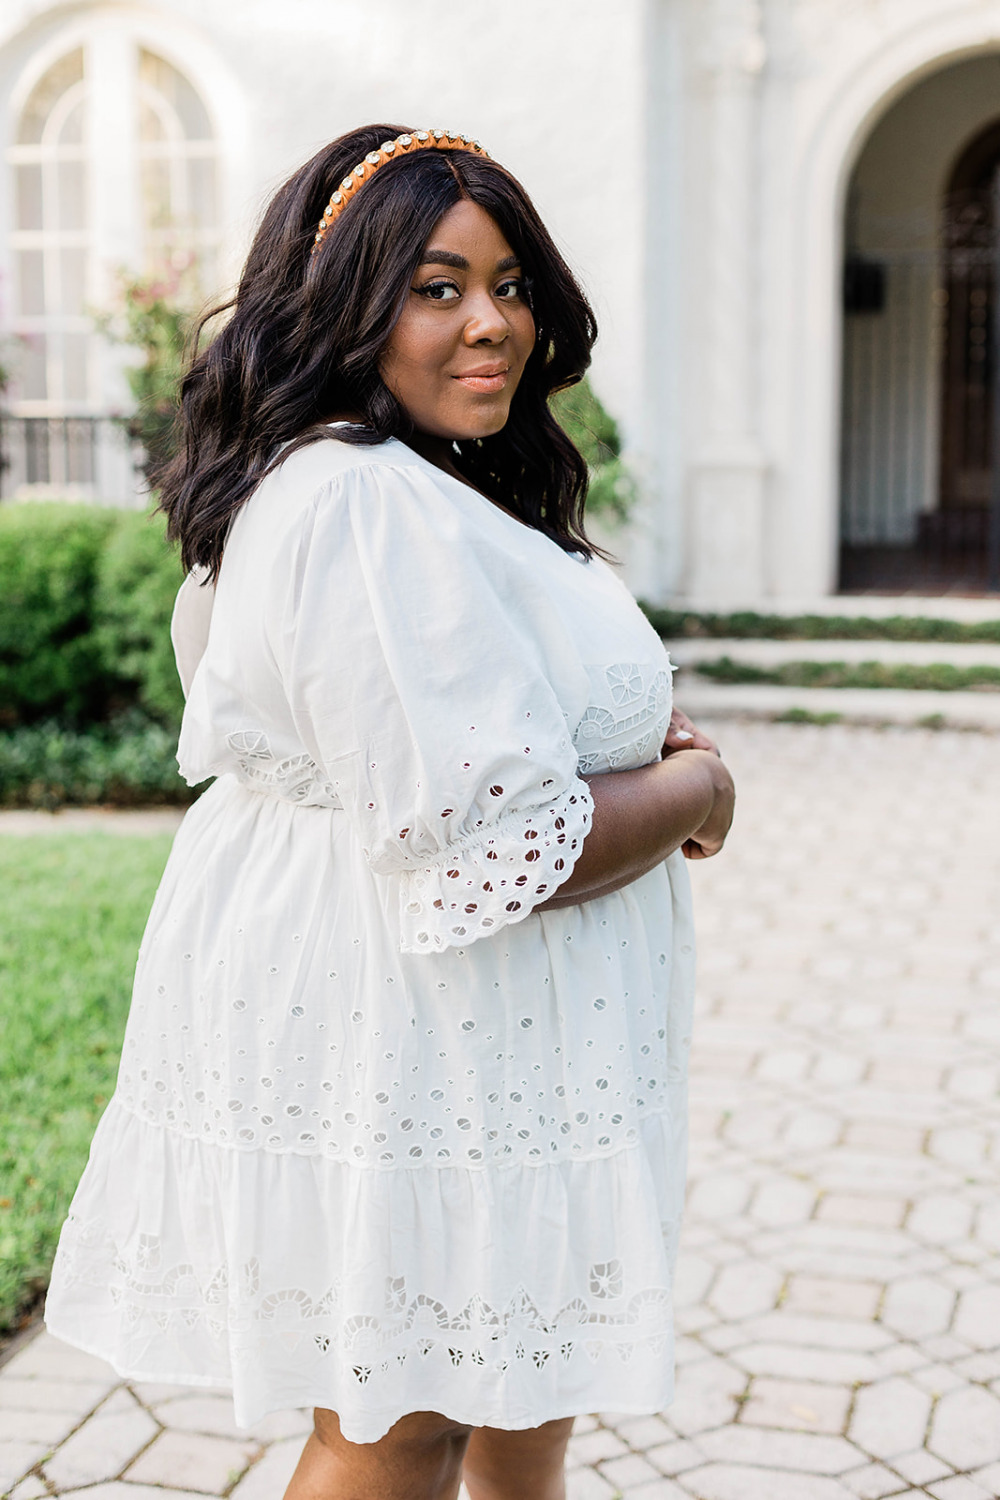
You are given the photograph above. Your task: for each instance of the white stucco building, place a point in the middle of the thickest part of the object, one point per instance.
(707, 165)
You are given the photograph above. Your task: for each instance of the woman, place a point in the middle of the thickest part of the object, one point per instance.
(399, 1129)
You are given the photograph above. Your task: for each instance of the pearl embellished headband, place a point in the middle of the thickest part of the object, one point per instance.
(439, 140)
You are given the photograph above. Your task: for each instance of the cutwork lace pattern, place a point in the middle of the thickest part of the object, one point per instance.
(296, 778)
(628, 727)
(491, 879)
(155, 1299)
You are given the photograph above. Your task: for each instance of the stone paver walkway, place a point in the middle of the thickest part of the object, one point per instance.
(839, 1290)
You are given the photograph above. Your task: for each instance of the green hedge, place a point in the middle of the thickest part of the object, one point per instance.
(90, 703)
(936, 677)
(49, 659)
(138, 577)
(747, 625)
(129, 763)
(85, 600)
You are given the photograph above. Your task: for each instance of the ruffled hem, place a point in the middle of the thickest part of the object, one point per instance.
(454, 1402)
(494, 878)
(295, 1281)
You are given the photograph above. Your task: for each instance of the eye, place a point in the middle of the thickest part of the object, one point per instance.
(510, 289)
(438, 291)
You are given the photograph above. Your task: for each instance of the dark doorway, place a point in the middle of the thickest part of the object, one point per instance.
(947, 548)
(959, 529)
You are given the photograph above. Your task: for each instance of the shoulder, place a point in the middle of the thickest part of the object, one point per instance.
(315, 478)
(322, 484)
(323, 463)
(388, 501)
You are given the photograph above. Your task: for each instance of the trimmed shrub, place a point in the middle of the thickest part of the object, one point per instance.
(746, 625)
(85, 600)
(50, 660)
(129, 763)
(138, 576)
(936, 677)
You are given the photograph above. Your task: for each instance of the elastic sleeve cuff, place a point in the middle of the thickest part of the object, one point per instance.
(494, 878)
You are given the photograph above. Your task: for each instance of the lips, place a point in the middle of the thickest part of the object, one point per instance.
(484, 379)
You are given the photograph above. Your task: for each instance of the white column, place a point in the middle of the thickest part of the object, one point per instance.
(727, 475)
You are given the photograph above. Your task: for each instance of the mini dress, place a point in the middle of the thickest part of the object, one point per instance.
(385, 1138)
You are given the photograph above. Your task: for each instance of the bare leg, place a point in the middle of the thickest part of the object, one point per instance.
(420, 1458)
(501, 1465)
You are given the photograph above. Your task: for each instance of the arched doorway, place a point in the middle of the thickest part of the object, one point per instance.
(921, 245)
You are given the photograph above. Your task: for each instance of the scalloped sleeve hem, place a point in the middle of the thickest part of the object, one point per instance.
(495, 877)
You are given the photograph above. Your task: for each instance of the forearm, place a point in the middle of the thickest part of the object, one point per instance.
(640, 817)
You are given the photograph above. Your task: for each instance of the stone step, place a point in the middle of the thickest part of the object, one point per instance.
(688, 652)
(703, 699)
(967, 709)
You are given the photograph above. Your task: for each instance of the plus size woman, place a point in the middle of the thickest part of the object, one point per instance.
(399, 1130)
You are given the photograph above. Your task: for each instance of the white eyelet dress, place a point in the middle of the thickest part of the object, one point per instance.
(385, 1139)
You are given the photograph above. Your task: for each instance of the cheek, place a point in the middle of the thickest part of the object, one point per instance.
(524, 332)
(398, 357)
(418, 345)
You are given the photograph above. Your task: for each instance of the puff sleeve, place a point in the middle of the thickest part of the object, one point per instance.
(426, 673)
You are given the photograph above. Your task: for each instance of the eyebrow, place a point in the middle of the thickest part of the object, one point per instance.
(448, 258)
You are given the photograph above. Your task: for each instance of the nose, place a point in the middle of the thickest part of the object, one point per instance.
(486, 322)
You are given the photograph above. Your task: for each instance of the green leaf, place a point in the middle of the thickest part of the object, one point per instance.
(592, 429)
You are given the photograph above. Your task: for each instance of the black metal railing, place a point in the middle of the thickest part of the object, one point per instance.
(77, 457)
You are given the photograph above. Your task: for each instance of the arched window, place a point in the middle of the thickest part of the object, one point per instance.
(177, 168)
(51, 241)
(115, 164)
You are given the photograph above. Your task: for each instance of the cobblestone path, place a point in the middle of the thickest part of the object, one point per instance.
(839, 1290)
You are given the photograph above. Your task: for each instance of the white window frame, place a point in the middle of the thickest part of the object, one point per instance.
(112, 41)
(49, 154)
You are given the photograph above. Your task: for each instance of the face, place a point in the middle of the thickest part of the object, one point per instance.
(459, 349)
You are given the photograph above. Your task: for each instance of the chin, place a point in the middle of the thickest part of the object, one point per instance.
(483, 424)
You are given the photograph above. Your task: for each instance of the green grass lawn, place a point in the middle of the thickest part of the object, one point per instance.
(72, 911)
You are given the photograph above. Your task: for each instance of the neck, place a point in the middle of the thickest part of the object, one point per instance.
(437, 450)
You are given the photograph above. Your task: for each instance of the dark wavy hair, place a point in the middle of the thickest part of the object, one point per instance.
(305, 335)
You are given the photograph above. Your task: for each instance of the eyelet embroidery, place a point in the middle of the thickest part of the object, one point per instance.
(485, 881)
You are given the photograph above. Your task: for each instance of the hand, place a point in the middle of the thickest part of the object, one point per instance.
(710, 837)
(683, 735)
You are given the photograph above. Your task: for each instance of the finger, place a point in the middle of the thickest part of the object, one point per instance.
(680, 732)
(685, 739)
(687, 734)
